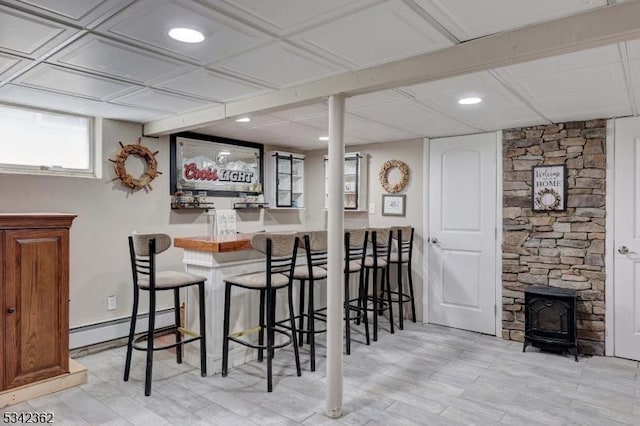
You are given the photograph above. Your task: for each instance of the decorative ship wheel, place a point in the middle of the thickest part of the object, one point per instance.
(145, 154)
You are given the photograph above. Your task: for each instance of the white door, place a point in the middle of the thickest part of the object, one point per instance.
(626, 286)
(462, 235)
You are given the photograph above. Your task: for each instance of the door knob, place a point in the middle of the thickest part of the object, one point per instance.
(623, 250)
(11, 310)
(434, 241)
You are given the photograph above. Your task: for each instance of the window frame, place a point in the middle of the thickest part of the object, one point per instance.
(94, 134)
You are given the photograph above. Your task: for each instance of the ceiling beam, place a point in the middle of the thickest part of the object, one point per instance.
(608, 25)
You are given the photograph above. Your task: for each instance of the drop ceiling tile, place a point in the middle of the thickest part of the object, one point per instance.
(635, 80)
(111, 58)
(156, 99)
(71, 82)
(284, 16)
(500, 109)
(28, 35)
(79, 12)
(149, 22)
(126, 113)
(44, 99)
(383, 33)
(9, 63)
(360, 128)
(279, 64)
(415, 118)
(212, 85)
(592, 86)
(470, 19)
(301, 113)
(633, 49)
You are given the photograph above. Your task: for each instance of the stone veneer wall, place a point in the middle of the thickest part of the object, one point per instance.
(557, 249)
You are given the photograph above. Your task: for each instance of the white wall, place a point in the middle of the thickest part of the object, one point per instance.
(410, 152)
(107, 213)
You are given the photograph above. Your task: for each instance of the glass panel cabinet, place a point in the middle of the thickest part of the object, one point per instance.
(285, 175)
(355, 182)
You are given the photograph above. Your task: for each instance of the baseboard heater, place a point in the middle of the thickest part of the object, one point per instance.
(92, 334)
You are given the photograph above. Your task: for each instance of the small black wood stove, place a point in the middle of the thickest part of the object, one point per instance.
(550, 319)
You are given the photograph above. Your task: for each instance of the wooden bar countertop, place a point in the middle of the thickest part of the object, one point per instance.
(238, 242)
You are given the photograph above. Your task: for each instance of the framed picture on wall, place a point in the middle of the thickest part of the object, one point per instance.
(549, 189)
(393, 204)
(221, 167)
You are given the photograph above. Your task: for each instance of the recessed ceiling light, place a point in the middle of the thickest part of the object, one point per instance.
(323, 138)
(469, 101)
(243, 120)
(186, 35)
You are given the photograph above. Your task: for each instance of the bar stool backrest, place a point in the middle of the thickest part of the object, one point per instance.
(355, 243)
(280, 249)
(315, 244)
(404, 236)
(142, 250)
(381, 241)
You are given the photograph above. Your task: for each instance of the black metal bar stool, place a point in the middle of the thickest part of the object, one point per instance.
(315, 245)
(355, 253)
(378, 262)
(402, 257)
(143, 249)
(281, 251)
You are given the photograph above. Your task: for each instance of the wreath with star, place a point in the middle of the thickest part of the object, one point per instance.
(383, 176)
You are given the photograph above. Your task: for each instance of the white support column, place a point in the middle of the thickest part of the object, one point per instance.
(335, 243)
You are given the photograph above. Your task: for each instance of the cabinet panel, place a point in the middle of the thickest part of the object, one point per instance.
(285, 177)
(355, 182)
(35, 305)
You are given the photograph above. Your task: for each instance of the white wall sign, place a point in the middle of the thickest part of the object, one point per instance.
(549, 189)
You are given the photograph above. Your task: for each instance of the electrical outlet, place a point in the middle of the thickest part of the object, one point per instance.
(112, 303)
(372, 208)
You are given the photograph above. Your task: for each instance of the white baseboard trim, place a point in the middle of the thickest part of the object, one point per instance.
(115, 329)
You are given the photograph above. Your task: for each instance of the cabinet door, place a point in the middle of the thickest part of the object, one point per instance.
(36, 305)
(351, 178)
(283, 181)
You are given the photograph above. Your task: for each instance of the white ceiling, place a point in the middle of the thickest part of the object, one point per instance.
(113, 58)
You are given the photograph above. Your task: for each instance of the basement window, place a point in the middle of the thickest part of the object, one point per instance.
(40, 142)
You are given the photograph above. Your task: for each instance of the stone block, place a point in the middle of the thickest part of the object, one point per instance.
(584, 306)
(541, 220)
(532, 279)
(510, 277)
(571, 219)
(595, 123)
(517, 335)
(593, 133)
(533, 133)
(575, 235)
(593, 275)
(575, 163)
(532, 243)
(548, 243)
(589, 294)
(594, 259)
(595, 161)
(554, 160)
(549, 235)
(555, 273)
(517, 193)
(598, 310)
(590, 212)
(591, 325)
(515, 185)
(586, 268)
(554, 136)
(525, 143)
(579, 141)
(510, 256)
(534, 150)
(519, 175)
(549, 251)
(568, 260)
(595, 236)
(514, 269)
(562, 227)
(512, 308)
(593, 146)
(574, 150)
(524, 164)
(531, 157)
(505, 334)
(550, 146)
(573, 252)
(551, 260)
(507, 300)
(574, 125)
(589, 183)
(598, 336)
(513, 293)
(573, 243)
(574, 285)
(588, 347)
(572, 277)
(592, 173)
(599, 220)
(516, 250)
(597, 247)
(580, 191)
(519, 227)
(559, 153)
(511, 212)
(513, 134)
(586, 227)
(512, 238)
(539, 271)
(514, 152)
(521, 201)
(585, 201)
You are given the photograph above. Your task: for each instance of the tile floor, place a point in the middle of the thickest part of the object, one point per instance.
(424, 374)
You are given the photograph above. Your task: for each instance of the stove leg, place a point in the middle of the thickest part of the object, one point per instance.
(574, 352)
(526, 343)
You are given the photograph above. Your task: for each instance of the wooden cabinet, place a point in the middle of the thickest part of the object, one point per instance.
(34, 273)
